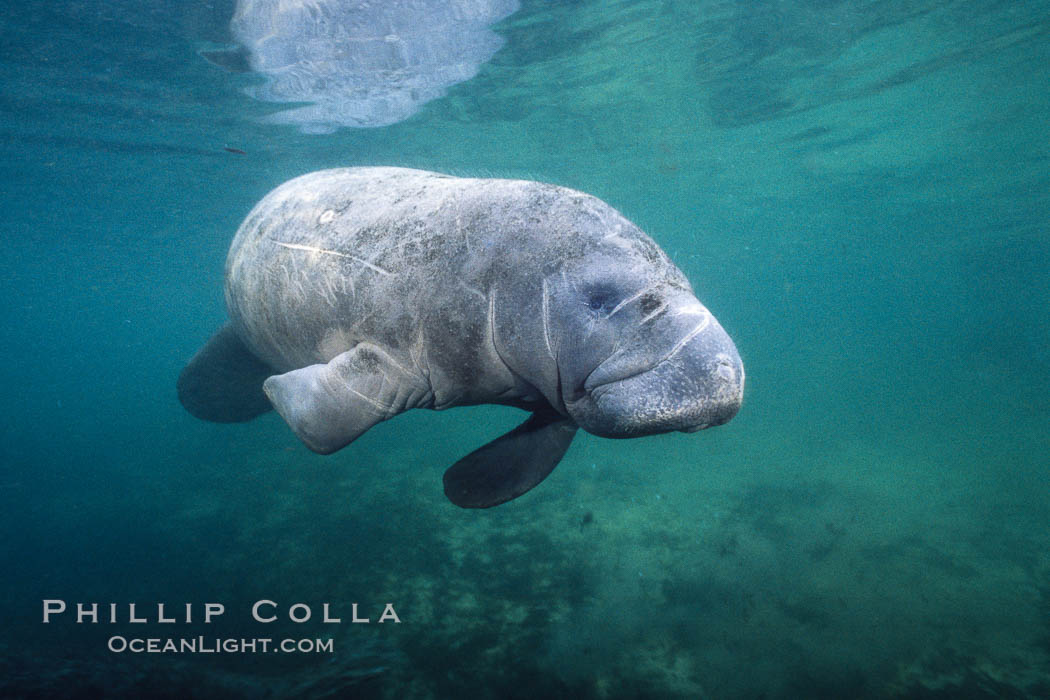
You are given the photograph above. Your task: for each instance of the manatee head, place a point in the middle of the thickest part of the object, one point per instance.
(637, 353)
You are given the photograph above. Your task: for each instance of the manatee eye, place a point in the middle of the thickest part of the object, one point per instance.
(601, 300)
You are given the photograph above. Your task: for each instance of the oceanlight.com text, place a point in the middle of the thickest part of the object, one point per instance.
(217, 645)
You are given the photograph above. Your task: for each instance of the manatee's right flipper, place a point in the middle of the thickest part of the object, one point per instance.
(223, 382)
(331, 405)
(512, 464)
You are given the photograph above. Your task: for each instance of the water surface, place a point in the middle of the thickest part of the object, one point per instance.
(859, 192)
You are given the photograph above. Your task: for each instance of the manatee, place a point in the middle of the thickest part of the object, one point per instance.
(356, 294)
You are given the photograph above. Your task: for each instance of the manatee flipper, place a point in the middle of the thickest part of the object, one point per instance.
(512, 464)
(331, 405)
(223, 381)
(235, 60)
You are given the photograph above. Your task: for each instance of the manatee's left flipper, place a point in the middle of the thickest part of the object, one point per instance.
(235, 59)
(331, 405)
(510, 465)
(223, 382)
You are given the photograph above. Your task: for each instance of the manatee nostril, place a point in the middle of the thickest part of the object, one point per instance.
(650, 303)
(724, 368)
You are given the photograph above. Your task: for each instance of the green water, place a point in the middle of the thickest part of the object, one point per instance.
(857, 190)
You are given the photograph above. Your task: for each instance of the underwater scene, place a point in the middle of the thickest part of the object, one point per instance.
(857, 191)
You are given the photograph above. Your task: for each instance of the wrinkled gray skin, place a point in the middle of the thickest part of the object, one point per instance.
(366, 292)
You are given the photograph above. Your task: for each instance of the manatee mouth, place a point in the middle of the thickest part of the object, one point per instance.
(727, 405)
(666, 398)
(629, 362)
(697, 384)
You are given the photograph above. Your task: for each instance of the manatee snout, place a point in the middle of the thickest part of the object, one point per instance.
(724, 388)
(694, 381)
